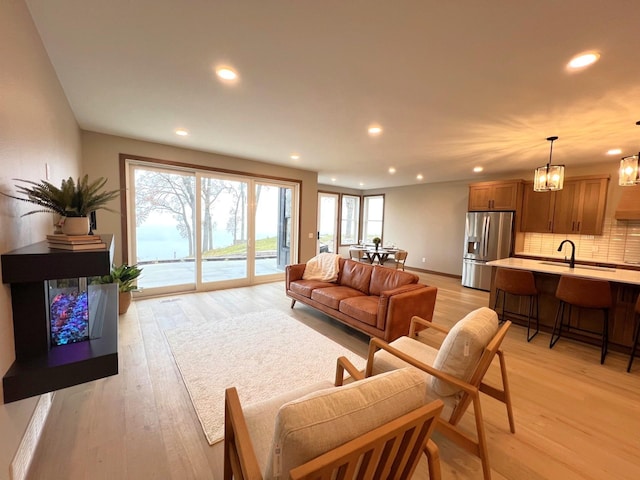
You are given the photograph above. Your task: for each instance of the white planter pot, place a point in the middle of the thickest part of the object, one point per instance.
(75, 226)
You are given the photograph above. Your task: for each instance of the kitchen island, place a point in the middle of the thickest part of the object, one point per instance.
(625, 287)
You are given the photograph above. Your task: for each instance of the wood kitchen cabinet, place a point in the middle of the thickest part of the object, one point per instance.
(576, 209)
(537, 210)
(498, 195)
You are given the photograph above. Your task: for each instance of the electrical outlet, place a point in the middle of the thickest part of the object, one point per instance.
(311, 235)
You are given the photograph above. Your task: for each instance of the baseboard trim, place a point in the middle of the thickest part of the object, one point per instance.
(26, 450)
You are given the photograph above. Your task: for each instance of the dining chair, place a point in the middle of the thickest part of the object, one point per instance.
(357, 254)
(399, 258)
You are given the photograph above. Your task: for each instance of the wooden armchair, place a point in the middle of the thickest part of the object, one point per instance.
(370, 428)
(457, 368)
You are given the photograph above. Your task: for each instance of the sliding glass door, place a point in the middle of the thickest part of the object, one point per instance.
(223, 229)
(163, 221)
(273, 234)
(193, 230)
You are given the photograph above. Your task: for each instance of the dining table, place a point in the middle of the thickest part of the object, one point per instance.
(380, 254)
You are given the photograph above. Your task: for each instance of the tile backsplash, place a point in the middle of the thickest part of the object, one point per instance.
(619, 243)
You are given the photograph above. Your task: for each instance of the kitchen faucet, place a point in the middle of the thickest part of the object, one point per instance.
(572, 262)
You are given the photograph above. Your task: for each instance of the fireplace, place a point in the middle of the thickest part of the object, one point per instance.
(65, 326)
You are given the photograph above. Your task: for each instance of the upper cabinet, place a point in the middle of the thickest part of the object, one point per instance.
(499, 195)
(537, 210)
(576, 209)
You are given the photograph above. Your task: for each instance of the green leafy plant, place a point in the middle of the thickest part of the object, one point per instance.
(376, 240)
(124, 275)
(72, 199)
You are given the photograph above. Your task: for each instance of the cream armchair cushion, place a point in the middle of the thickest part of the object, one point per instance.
(461, 349)
(320, 421)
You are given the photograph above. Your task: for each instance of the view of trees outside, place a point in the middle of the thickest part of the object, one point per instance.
(165, 226)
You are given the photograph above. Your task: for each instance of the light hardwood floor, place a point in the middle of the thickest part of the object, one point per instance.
(575, 419)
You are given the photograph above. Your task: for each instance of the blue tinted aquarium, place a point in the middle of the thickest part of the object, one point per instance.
(71, 305)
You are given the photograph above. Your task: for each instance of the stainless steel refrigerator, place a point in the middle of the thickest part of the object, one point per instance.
(488, 236)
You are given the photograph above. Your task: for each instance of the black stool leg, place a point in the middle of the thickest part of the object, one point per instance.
(605, 336)
(633, 347)
(529, 338)
(495, 304)
(560, 316)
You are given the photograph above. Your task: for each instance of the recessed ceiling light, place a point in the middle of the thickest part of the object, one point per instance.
(226, 73)
(614, 151)
(375, 130)
(333, 179)
(361, 184)
(392, 170)
(419, 177)
(182, 132)
(477, 169)
(583, 60)
(295, 156)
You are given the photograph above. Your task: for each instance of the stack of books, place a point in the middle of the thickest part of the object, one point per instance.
(76, 242)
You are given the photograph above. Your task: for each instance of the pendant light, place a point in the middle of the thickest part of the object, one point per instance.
(629, 174)
(549, 177)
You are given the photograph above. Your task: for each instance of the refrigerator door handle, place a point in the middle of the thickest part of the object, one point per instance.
(485, 236)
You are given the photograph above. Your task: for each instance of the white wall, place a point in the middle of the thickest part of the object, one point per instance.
(428, 221)
(37, 126)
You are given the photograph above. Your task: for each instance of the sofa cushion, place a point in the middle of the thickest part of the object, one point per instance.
(383, 279)
(316, 423)
(332, 296)
(305, 287)
(356, 275)
(463, 346)
(363, 308)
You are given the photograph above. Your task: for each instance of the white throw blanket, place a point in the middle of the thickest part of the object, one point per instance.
(323, 267)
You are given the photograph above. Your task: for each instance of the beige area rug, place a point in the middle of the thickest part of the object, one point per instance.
(262, 354)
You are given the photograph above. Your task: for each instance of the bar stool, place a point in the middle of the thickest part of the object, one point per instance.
(582, 293)
(635, 337)
(519, 283)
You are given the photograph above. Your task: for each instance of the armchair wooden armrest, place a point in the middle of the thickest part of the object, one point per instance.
(239, 457)
(376, 344)
(343, 364)
(415, 321)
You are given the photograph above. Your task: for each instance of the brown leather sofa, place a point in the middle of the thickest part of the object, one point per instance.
(375, 300)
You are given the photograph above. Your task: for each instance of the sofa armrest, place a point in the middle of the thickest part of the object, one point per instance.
(294, 272)
(395, 311)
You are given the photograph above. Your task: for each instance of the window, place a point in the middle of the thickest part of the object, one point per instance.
(350, 220)
(373, 213)
(198, 229)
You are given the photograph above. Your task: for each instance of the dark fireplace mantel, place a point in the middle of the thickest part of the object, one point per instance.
(40, 368)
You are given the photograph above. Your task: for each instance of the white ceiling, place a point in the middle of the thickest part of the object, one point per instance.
(454, 84)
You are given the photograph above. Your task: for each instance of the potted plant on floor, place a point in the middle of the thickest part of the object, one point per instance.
(125, 276)
(73, 201)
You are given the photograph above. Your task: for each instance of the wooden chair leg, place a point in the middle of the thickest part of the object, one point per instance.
(507, 392)
(433, 460)
(293, 302)
(483, 451)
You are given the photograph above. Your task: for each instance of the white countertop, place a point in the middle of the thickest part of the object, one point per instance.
(618, 275)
